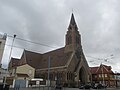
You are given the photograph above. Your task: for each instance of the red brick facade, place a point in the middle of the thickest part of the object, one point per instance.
(103, 74)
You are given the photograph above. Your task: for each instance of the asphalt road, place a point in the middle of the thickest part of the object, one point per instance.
(63, 89)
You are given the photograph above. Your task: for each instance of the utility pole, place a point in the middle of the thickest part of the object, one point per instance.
(48, 73)
(102, 74)
(9, 60)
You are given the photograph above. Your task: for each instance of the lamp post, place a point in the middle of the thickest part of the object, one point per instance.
(9, 60)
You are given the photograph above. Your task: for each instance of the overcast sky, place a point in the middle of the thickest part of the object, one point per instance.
(46, 22)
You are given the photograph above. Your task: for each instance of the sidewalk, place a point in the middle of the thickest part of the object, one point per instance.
(46, 88)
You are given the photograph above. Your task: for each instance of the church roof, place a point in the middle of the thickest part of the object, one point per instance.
(72, 21)
(14, 62)
(40, 61)
(32, 58)
(57, 58)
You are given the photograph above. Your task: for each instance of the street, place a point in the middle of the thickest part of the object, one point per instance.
(46, 88)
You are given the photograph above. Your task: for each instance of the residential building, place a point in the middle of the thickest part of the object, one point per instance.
(103, 74)
(2, 45)
(19, 73)
(3, 73)
(22, 70)
(117, 78)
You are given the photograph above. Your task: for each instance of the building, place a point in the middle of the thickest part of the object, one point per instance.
(3, 73)
(117, 78)
(19, 72)
(103, 74)
(67, 65)
(2, 45)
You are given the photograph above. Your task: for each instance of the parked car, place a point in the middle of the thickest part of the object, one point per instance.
(81, 86)
(94, 86)
(86, 86)
(2, 87)
(58, 87)
(99, 86)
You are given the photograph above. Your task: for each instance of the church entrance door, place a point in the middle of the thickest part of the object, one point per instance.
(82, 75)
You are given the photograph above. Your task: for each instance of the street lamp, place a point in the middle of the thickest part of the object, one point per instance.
(9, 59)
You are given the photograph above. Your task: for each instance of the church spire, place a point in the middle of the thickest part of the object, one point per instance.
(72, 21)
(73, 38)
(72, 24)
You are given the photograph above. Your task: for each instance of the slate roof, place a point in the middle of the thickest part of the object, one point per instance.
(72, 21)
(32, 58)
(57, 58)
(14, 62)
(40, 61)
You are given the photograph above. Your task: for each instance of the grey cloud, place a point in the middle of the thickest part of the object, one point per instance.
(46, 22)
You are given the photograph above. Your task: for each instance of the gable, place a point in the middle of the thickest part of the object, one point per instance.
(13, 62)
(104, 69)
(25, 69)
(33, 58)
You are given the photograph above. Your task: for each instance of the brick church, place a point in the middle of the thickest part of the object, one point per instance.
(68, 64)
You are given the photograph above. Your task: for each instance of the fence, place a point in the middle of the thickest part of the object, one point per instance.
(45, 88)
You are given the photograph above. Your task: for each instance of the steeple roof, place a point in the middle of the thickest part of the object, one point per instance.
(72, 21)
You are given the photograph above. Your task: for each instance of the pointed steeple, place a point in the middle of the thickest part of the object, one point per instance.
(72, 23)
(73, 38)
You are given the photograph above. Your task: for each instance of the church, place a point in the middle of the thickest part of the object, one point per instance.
(67, 65)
